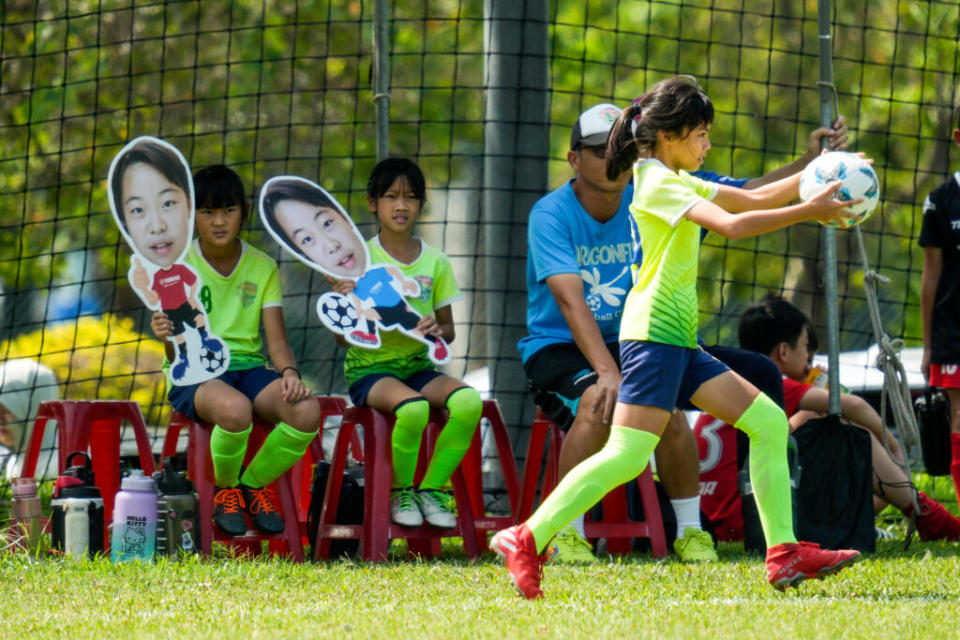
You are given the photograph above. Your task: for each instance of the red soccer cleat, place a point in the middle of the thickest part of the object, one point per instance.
(519, 551)
(791, 563)
(933, 521)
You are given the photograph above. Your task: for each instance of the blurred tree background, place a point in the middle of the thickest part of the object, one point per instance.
(279, 87)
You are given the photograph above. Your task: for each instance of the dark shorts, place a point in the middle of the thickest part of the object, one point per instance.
(183, 315)
(361, 388)
(249, 382)
(663, 375)
(754, 367)
(559, 374)
(399, 314)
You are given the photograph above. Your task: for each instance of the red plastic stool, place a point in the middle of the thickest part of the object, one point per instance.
(200, 470)
(93, 425)
(616, 525)
(377, 529)
(472, 466)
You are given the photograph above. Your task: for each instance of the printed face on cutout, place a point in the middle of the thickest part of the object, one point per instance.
(157, 214)
(324, 236)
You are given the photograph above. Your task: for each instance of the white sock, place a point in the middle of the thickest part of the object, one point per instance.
(578, 525)
(687, 511)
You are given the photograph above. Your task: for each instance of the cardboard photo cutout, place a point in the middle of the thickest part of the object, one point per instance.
(150, 188)
(312, 227)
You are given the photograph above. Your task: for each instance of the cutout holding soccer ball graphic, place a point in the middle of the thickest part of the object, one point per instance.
(856, 175)
(151, 196)
(312, 226)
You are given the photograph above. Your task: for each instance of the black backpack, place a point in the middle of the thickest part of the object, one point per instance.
(933, 419)
(349, 509)
(835, 497)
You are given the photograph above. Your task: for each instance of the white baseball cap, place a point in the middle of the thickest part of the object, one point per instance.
(593, 126)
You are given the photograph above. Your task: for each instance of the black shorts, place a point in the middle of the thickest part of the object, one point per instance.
(185, 314)
(399, 314)
(559, 374)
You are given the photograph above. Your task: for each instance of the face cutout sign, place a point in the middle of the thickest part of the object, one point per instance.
(151, 197)
(312, 226)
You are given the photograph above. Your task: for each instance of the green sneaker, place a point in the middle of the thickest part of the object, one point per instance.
(696, 545)
(568, 547)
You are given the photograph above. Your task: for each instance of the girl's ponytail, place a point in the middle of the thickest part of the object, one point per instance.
(622, 150)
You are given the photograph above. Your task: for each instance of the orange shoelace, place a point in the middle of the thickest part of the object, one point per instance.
(262, 501)
(231, 499)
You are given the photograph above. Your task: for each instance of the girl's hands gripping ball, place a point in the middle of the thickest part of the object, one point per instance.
(856, 175)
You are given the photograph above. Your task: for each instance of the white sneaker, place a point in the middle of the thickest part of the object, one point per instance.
(403, 508)
(437, 508)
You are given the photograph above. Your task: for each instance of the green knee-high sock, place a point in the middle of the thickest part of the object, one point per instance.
(281, 449)
(766, 425)
(621, 459)
(465, 407)
(412, 416)
(227, 449)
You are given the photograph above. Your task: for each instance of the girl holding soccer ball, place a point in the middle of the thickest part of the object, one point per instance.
(668, 131)
(241, 290)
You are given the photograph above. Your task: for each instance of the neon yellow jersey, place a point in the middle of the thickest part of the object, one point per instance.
(662, 304)
(398, 354)
(234, 302)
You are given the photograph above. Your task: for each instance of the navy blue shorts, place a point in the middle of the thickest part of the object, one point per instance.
(663, 375)
(249, 382)
(359, 389)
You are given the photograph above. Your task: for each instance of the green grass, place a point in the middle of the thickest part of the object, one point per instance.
(904, 594)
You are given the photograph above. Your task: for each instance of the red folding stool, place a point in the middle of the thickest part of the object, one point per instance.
(377, 529)
(616, 525)
(200, 470)
(93, 425)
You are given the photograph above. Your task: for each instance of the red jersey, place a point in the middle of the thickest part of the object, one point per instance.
(793, 392)
(719, 494)
(171, 285)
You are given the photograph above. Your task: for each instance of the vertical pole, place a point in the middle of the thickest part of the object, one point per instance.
(828, 108)
(516, 149)
(381, 79)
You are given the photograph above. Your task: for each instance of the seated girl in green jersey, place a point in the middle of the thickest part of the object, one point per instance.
(663, 137)
(241, 291)
(398, 377)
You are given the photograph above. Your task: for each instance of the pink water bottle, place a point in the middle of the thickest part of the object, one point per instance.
(134, 519)
(27, 518)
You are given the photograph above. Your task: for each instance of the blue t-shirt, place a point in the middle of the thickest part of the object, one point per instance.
(563, 238)
(710, 176)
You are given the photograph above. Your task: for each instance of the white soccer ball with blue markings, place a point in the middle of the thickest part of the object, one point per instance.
(858, 178)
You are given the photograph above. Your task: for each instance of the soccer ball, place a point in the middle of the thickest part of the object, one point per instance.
(337, 312)
(212, 361)
(858, 178)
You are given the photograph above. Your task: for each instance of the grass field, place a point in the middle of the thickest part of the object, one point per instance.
(911, 594)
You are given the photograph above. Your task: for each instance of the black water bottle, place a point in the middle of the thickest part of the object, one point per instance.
(177, 530)
(77, 483)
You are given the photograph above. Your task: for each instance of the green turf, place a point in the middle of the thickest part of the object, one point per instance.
(912, 594)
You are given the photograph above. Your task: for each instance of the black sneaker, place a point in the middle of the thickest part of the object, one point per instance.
(263, 514)
(228, 511)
